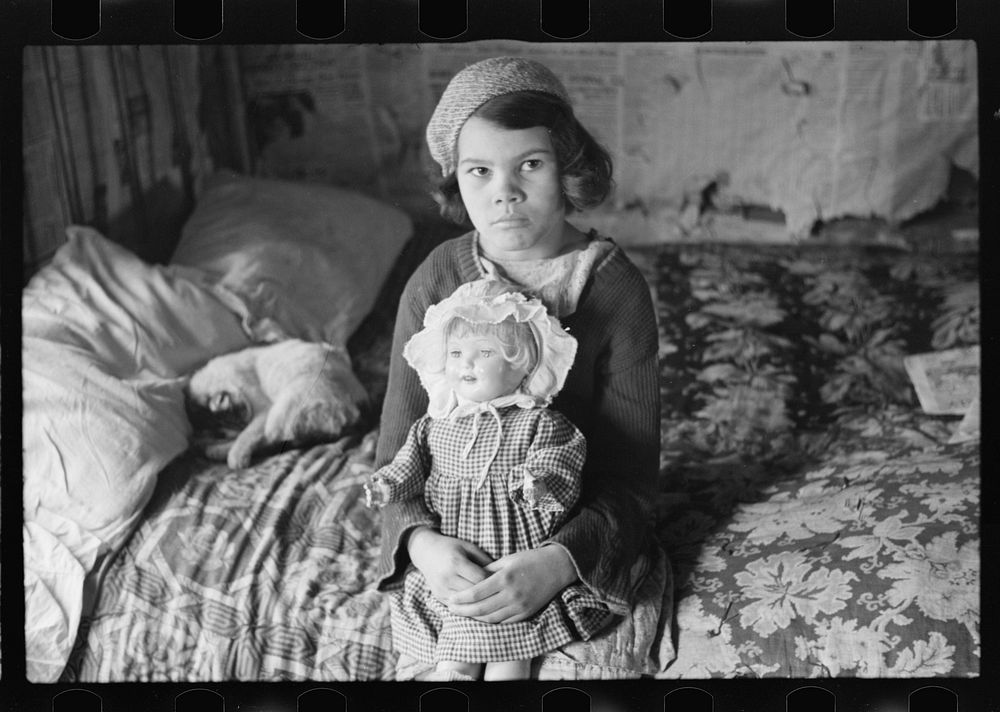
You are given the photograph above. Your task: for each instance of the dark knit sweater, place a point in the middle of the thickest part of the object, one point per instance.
(611, 394)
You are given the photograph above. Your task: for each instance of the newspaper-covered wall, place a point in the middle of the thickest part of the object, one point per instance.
(817, 130)
(119, 137)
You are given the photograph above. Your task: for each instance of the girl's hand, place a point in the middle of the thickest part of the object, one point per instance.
(448, 564)
(520, 585)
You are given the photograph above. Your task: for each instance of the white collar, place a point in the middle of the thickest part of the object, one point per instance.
(459, 407)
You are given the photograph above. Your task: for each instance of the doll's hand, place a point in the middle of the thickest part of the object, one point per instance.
(532, 491)
(535, 490)
(375, 495)
(448, 564)
(520, 585)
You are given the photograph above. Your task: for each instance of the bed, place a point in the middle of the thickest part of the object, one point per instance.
(816, 521)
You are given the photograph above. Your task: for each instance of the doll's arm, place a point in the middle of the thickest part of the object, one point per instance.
(549, 477)
(404, 477)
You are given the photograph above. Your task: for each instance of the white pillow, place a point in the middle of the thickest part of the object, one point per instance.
(129, 315)
(308, 259)
(107, 341)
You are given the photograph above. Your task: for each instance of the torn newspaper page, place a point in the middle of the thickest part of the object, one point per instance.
(946, 382)
(968, 429)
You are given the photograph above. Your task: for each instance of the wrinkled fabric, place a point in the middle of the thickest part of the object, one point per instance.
(53, 604)
(308, 258)
(106, 341)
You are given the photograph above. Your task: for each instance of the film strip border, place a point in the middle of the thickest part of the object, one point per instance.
(201, 20)
(882, 696)
(115, 21)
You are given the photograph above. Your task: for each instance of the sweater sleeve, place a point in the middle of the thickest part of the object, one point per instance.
(405, 402)
(623, 443)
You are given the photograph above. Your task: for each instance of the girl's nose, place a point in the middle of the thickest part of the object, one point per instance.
(508, 191)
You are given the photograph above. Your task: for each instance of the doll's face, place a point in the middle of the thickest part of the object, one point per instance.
(511, 188)
(476, 369)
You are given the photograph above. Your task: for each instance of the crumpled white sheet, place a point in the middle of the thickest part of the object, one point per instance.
(106, 339)
(52, 596)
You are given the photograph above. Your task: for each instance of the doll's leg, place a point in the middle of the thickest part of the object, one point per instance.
(508, 670)
(452, 670)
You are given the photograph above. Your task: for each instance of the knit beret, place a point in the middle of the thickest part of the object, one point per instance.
(474, 86)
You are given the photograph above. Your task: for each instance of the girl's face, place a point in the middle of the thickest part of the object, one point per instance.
(510, 185)
(476, 369)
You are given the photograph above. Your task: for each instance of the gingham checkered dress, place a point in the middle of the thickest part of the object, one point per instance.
(496, 517)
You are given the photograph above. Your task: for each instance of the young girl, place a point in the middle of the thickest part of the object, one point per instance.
(494, 464)
(515, 161)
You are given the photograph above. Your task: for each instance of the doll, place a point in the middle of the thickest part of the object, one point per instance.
(495, 465)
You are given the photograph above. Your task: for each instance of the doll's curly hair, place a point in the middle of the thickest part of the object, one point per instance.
(585, 166)
(516, 341)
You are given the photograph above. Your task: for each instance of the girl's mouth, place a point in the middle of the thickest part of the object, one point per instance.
(510, 221)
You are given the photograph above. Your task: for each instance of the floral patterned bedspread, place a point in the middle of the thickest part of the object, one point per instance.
(818, 524)
(865, 566)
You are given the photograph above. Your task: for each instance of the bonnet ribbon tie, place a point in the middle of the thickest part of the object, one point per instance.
(491, 409)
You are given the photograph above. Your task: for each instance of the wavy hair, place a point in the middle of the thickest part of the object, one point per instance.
(585, 166)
